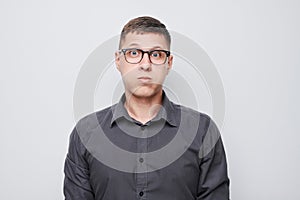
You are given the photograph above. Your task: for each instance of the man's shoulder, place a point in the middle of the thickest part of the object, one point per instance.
(190, 112)
(92, 120)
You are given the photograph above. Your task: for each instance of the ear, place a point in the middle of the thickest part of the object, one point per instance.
(170, 63)
(117, 59)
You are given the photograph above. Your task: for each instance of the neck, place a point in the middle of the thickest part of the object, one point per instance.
(143, 109)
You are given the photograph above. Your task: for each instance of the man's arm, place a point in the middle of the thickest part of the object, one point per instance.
(213, 180)
(76, 182)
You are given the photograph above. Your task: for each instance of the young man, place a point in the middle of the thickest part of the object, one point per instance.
(145, 146)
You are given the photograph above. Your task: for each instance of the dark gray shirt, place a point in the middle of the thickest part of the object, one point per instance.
(178, 155)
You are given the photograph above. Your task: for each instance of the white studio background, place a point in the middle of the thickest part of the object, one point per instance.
(254, 44)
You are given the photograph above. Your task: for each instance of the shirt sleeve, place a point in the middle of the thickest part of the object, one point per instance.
(213, 181)
(77, 176)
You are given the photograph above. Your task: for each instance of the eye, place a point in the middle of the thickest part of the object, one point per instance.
(133, 53)
(156, 54)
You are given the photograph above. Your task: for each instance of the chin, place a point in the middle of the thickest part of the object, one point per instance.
(146, 91)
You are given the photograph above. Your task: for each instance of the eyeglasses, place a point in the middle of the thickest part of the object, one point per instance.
(135, 56)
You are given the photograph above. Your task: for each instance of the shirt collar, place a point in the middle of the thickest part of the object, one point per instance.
(167, 112)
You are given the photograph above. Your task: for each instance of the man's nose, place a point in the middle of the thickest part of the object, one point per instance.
(145, 63)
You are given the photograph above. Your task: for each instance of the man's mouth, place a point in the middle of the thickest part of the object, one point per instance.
(145, 79)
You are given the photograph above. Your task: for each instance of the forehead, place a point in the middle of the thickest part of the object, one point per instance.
(145, 40)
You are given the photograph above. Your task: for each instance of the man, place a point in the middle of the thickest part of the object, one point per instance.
(145, 146)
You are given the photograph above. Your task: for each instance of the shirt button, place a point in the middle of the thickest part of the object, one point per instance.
(141, 193)
(143, 128)
(141, 160)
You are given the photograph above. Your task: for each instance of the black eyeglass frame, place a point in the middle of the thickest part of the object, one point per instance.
(168, 53)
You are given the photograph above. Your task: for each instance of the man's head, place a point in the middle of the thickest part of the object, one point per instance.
(143, 58)
(142, 25)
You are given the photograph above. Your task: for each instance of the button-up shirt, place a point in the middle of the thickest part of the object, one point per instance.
(178, 155)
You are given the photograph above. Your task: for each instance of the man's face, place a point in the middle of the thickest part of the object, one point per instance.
(143, 79)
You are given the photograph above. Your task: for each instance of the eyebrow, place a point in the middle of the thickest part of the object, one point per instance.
(138, 46)
(133, 44)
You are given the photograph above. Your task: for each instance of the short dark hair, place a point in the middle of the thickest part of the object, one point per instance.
(145, 24)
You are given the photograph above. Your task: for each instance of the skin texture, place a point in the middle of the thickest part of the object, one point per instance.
(143, 81)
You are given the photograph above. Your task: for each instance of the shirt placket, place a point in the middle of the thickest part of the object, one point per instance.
(142, 178)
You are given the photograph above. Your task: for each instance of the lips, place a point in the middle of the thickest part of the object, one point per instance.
(145, 79)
